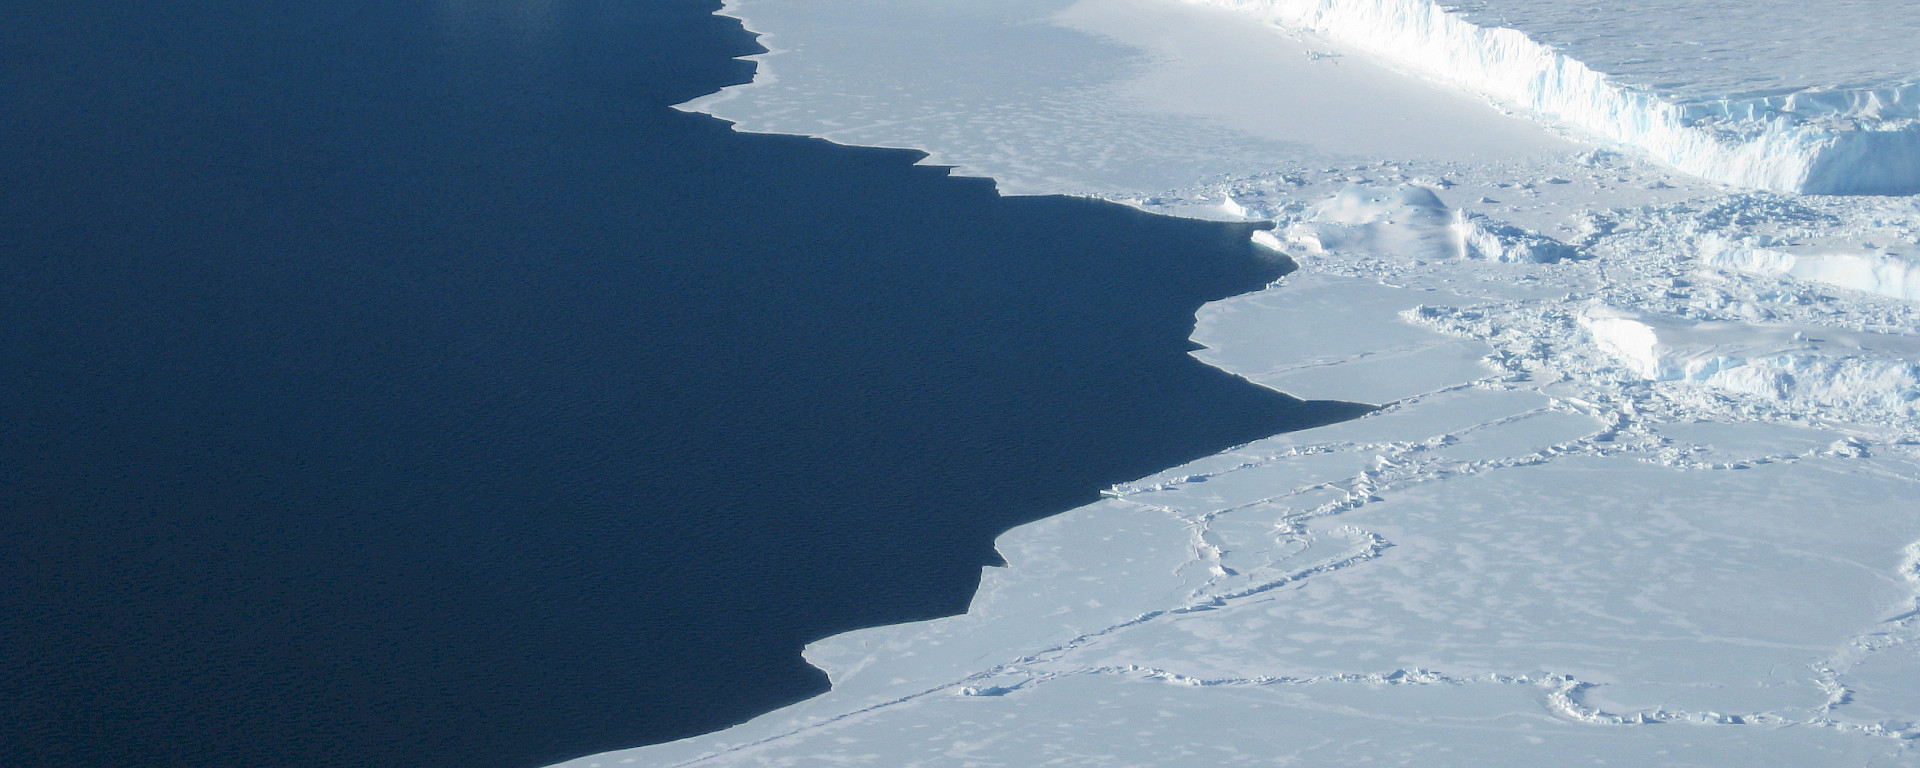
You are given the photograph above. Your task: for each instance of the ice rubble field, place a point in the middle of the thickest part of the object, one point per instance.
(1641, 492)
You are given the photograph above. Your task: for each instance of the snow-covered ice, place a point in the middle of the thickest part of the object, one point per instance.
(1095, 96)
(1640, 489)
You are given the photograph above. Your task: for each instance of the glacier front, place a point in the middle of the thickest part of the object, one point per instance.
(1768, 94)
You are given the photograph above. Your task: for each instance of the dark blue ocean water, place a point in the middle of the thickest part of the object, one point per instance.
(401, 383)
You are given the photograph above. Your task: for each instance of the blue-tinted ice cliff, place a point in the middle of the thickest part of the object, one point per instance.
(1699, 88)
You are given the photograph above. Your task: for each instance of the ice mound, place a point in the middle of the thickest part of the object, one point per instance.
(1886, 274)
(1484, 238)
(1407, 219)
(1411, 220)
(1778, 362)
(1783, 133)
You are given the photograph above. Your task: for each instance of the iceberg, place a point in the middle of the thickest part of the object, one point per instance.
(1870, 271)
(1411, 219)
(1782, 362)
(1858, 133)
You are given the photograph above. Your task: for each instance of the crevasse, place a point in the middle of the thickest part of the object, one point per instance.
(1831, 141)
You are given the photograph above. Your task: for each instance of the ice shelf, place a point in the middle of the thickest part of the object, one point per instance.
(1716, 88)
(1640, 491)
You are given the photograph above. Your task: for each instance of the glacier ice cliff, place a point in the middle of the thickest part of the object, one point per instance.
(1819, 139)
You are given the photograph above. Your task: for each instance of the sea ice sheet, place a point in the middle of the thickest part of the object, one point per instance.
(1347, 342)
(1639, 492)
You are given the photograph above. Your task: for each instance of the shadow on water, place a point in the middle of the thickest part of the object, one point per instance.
(403, 384)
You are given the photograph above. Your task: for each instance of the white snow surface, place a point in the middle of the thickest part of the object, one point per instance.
(1640, 492)
(1098, 96)
(1730, 90)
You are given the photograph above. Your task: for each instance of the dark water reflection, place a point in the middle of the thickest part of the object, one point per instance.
(400, 383)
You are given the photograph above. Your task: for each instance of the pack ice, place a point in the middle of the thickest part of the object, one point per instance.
(1642, 487)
